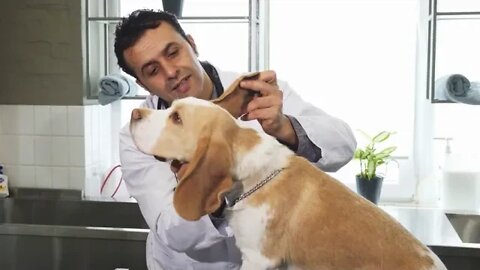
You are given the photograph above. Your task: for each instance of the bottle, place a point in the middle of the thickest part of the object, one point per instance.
(3, 183)
(460, 181)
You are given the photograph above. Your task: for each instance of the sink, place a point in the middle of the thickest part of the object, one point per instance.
(466, 226)
(73, 234)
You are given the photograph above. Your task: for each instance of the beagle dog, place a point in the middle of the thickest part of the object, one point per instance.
(284, 210)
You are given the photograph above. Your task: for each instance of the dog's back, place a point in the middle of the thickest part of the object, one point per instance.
(316, 222)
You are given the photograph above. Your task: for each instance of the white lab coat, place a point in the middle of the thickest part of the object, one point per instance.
(174, 243)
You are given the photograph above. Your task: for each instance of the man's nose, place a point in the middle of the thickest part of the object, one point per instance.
(170, 69)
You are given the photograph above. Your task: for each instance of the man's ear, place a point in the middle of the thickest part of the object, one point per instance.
(192, 43)
(235, 99)
(206, 180)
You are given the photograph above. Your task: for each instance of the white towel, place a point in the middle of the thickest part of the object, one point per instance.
(115, 86)
(457, 88)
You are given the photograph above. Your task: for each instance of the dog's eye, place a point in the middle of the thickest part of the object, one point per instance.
(176, 118)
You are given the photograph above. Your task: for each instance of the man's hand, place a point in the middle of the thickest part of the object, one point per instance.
(267, 108)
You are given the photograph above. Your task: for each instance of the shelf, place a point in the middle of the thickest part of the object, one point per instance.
(458, 16)
(233, 19)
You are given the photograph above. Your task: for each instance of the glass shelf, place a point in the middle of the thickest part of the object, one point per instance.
(474, 15)
(457, 5)
(237, 19)
(452, 43)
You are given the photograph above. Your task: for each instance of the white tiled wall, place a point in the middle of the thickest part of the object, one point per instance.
(65, 147)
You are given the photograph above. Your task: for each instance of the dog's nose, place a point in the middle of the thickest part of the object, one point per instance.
(136, 114)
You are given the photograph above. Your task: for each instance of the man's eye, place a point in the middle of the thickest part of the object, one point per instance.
(173, 53)
(176, 118)
(153, 71)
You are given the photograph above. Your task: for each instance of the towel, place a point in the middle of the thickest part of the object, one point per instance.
(115, 86)
(457, 88)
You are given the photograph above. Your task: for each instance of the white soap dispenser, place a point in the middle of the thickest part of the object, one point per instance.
(445, 162)
(460, 181)
(3, 183)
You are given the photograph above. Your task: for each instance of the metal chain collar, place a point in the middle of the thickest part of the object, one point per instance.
(256, 187)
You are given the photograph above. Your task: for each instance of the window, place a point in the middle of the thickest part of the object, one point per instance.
(454, 27)
(355, 60)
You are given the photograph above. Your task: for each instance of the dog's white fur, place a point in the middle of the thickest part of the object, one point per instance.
(253, 160)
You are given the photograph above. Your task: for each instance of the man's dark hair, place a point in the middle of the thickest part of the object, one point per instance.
(131, 29)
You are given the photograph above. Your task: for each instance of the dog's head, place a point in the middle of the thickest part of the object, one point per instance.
(196, 133)
(200, 135)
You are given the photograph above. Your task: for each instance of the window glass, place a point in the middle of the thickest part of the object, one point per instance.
(223, 44)
(128, 6)
(193, 8)
(353, 59)
(457, 48)
(458, 5)
(457, 52)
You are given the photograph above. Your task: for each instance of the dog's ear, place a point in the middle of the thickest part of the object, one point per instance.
(235, 99)
(207, 178)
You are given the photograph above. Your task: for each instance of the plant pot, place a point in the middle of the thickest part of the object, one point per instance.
(369, 189)
(173, 6)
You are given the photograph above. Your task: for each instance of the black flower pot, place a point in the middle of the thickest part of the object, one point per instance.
(369, 189)
(173, 6)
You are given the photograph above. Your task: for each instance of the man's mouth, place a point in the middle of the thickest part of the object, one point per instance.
(182, 85)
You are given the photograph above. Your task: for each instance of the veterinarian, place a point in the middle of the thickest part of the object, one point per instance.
(152, 47)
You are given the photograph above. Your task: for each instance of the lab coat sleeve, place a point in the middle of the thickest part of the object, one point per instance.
(333, 136)
(151, 183)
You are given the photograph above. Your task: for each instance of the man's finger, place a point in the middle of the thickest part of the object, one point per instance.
(262, 87)
(261, 114)
(268, 76)
(263, 102)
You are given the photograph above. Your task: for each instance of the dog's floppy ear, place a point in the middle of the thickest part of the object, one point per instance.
(235, 98)
(207, 178)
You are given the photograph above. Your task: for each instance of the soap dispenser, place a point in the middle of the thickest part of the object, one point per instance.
(460, 181)
(3, 183)
(447, 159)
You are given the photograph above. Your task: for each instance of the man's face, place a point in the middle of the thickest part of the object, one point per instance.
(166, 65)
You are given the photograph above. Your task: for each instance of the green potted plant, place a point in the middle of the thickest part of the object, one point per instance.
(369, 182)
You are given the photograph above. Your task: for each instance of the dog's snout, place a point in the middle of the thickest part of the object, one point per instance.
(136, 114)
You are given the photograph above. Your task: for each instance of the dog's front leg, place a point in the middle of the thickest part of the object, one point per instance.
(253, 260)
(249, 225)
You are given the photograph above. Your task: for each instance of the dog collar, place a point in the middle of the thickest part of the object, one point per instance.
(255, 188)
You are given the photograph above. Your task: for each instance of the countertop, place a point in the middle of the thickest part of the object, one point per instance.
(432, 227)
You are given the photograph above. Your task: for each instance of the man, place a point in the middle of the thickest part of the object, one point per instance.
(152, 47)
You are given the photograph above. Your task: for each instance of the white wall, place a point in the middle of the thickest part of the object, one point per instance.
(61, 147)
